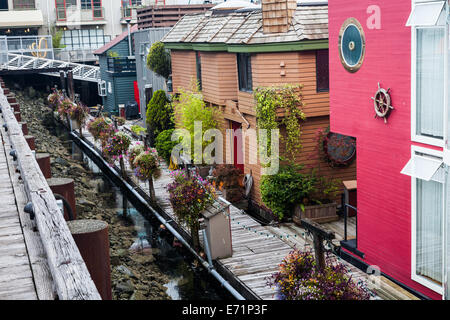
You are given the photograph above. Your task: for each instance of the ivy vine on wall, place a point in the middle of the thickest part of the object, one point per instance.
(287, 99)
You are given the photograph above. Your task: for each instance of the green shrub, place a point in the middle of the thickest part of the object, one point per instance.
(159, 116)
(189, 108)
(164, 145)
(282, 191)
(138, 130)
(158, 60)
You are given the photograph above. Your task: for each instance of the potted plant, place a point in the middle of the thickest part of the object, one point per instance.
(145, 164)
(319, 204)
(101, 129)
(300, 278)
(282, 191)
(78, 114)
(190, 196)
(116, 148)
(226, 178)
(55, 98)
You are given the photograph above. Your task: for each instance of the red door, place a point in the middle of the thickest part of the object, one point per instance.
(238, 158)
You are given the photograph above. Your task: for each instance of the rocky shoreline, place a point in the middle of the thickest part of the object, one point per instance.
(134, 275)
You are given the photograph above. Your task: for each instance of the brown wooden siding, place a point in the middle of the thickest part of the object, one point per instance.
(308, 155)
(183, 69)
(269, 69)
(219, 77)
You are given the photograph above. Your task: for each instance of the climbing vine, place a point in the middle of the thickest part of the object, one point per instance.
(287, 99)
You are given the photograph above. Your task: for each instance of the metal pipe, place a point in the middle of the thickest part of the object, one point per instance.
(207, 249)
(208, 267)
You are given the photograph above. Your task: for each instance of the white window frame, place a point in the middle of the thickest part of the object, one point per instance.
(414, 276)
(414, 136)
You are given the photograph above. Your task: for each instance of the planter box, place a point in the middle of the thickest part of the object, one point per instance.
(319, 213)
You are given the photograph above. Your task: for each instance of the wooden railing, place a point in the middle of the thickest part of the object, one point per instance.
(70, 275)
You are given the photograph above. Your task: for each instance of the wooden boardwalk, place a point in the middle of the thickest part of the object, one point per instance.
(38, 256)
(16, 278)
(258, 250)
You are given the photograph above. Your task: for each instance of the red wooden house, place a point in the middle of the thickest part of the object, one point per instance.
(403, 224)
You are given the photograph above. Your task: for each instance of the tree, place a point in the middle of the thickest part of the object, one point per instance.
(158, 60)
(159, 114)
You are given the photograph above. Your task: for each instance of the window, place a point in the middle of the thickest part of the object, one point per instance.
(322, 71)
(198, 62)
(3, 4)
(23, 4)
(245, 72)
(429, 76)
(86, 4)
(428, 178)
(89, 39)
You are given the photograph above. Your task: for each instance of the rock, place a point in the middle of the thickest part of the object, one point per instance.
(125, 287)
(124, 270)
(142, 259)
(137, 295)
(86, 203)
(61, 161)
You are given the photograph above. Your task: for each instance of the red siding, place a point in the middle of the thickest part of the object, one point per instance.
(384, 195)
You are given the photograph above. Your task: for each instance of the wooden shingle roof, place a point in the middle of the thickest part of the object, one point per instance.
(245, 27)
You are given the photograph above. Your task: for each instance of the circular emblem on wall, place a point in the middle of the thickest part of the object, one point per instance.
(352, 45)
(382, 103)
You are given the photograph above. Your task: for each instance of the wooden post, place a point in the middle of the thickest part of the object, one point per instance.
(66, 188)
(62, 78)
(320, 234)
(24, 128)
(70, 86)
(18, 116)
(31, 142)
(91, 237)
(43, 160)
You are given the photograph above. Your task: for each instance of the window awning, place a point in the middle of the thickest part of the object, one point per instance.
(426, 14)
(21, 18)
(424, 168)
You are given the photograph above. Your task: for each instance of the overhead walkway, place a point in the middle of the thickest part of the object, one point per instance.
(32, 55)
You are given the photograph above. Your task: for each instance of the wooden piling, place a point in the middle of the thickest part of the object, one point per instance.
(11, 98)
(18, 116)
(43, 160)
(31, 142)
(91, 237)
(66, 188)
(15, 106)
(24, 128)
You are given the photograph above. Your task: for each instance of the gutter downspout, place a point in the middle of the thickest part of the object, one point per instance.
(205, 264)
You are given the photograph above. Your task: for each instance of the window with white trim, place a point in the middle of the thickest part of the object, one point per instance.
(427, 200)
(429, 76)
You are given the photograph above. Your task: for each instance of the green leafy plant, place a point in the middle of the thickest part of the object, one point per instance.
(300, 278)
(57, 36)
(326, 189)
(159, 116)
(135, 149)
(138, 130)
(282, 191)
(287, 99)
(164, 144)
(190, 108)
(158, 60)
(112, 54)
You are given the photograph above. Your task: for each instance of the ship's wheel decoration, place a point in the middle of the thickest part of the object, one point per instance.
(382, 103)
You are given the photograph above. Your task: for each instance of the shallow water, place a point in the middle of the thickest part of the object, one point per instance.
(186, 280)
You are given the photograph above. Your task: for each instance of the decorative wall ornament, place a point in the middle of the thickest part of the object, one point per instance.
(382, 103)
(352, 45)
